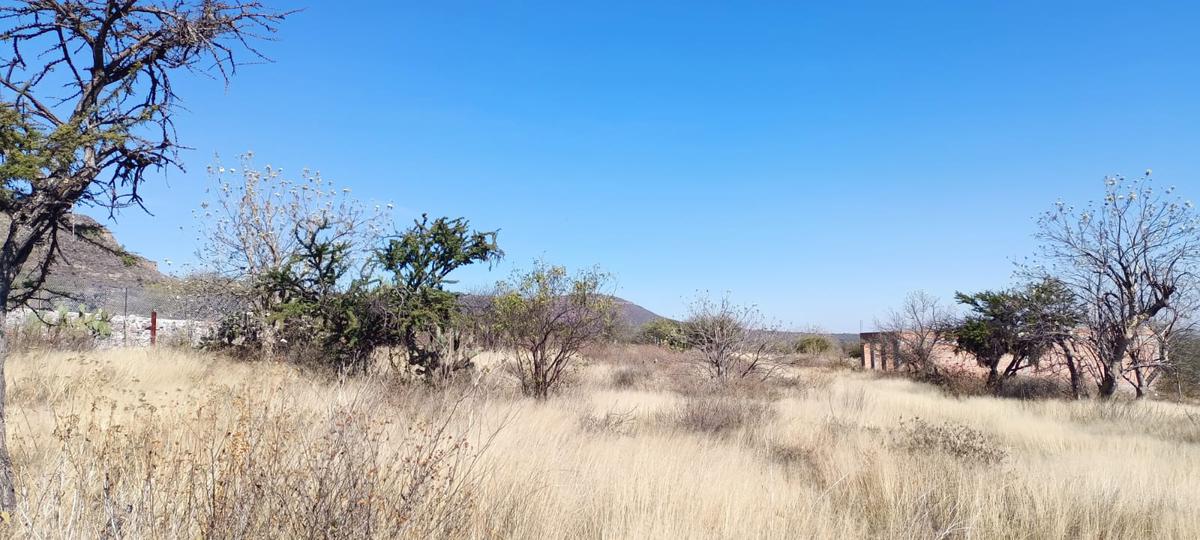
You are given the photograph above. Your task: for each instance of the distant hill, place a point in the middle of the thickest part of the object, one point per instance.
(632, 315)
(94, 269)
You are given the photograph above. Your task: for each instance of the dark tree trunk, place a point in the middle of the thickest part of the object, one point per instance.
(1112, 368)
(1073, 371)
(1108, 383)
(993, 376)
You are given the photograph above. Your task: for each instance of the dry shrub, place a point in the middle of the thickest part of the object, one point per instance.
(954, 382)
(611, 422)
(720, 415)
(950, 438)
(1136, 417)
(896, 497)
(32, 335)
(629, 377)
(1022, 387)
(245, 465)
(685, 380)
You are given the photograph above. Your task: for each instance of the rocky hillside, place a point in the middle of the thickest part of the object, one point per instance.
(93, 261)
(94, 269)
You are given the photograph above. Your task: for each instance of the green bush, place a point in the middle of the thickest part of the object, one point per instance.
(813, 344)
(662, 332)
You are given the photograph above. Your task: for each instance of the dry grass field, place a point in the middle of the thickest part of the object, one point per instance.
(170, 444)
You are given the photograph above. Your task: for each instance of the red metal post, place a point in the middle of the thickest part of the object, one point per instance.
(153, 328)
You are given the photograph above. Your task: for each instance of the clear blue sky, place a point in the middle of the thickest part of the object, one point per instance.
(818, 161)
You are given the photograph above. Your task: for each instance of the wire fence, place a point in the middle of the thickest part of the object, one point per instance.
(174, 313)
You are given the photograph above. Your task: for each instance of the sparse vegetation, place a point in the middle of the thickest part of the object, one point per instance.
(127, 443)
(343, 388)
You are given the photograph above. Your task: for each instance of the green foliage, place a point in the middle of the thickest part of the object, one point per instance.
(63, 329)
(324, 315)
(420, 261)
(27, 153)
(327, 313)
(662, 332)
(813, 345)
(1021, 324)
(545, 317)
(96, 324)
(21, 153)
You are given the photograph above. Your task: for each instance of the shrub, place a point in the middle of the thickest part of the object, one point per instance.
(77, 330)
(663, 333)
(718, 415)
(954, 382)
(956, 440)
(628, 376)
(238, 335)
(1032, 388)
(731, 341)
(545, 318)
(813, 344)
(611, 422)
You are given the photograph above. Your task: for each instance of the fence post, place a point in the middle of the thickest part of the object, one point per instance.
(125, 320)
(153, 328)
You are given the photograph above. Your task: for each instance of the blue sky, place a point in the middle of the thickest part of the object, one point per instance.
(816, 160)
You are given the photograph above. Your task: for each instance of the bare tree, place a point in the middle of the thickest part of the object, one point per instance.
(88, 86)
(730, 341)
(1151, 351)
(254, 221)
(545, 317)
(920, 327)
(1127, 260)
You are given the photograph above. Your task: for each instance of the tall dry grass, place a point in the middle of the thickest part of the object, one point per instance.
(164, 444)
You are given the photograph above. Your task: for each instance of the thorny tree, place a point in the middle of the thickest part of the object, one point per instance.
(1009, 331)
(87, 95)
(730, 341)
(1128, 260)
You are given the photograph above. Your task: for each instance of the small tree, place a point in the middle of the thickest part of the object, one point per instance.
(1127, 260)
(730, 341)
(1021, 325)
(430, 319)
(921, 327)
(545, 317)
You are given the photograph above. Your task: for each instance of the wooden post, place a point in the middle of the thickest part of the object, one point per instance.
(153, 328)
(125, 339)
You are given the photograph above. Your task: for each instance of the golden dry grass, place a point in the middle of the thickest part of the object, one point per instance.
(163, 444)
